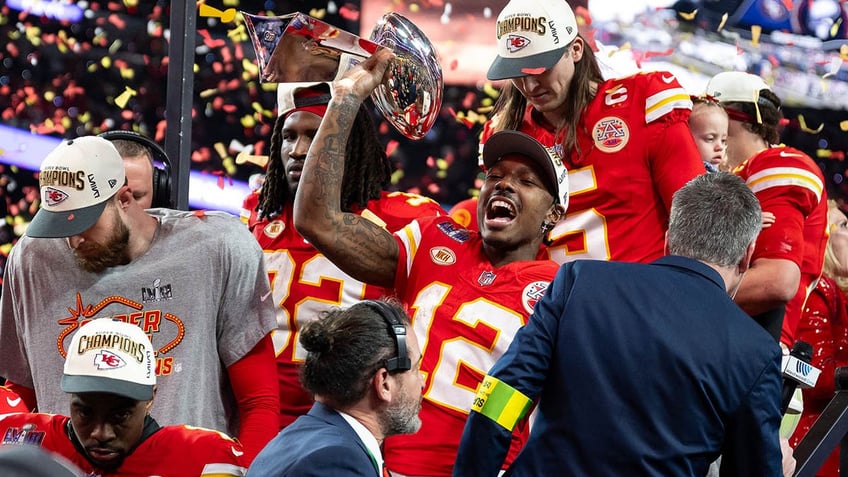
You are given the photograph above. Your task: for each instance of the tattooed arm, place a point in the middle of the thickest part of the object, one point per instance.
(359, 247)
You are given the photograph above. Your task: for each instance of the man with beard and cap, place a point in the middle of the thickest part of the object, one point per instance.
(304, 282)
(194, 281)
(470, 291)
(362, 366)
(110, 376)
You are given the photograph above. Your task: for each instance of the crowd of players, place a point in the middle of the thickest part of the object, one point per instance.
(577, 166)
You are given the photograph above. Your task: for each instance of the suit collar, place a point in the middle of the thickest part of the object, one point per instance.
(694, 266)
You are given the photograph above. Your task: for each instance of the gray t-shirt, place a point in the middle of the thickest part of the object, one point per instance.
(200, 292)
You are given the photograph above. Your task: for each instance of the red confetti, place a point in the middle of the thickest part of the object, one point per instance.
(349, 12)
(391, 146)
(453, 65)
(650, 54)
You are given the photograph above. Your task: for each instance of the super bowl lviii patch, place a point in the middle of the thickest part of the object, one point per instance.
(610, 134)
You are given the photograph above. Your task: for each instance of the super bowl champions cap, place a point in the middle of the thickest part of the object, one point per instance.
(110, 356)
(506, 142)
(76, 179)
(532, 37)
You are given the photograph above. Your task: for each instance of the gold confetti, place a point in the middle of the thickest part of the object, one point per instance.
(834, 29)
(843, 125)
(123, 98)
(226, 16)
(806, 129)
(723, 21)
(688, 16)
(755, 35)
(318, 13)
(245, 157)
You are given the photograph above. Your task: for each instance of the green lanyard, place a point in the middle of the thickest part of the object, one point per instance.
(374, 461)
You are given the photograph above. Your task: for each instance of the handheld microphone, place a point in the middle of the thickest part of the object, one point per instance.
(797, 371)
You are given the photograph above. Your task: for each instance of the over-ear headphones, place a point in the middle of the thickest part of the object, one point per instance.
(397, 329)
(161, 175)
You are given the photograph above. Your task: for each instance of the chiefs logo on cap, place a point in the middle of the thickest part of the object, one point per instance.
(108, 360)
(53, 196)
(516, 42)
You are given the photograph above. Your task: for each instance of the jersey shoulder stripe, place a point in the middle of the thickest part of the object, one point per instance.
(786, 176)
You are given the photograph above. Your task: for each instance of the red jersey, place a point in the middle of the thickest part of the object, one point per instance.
(791, 186)
(824, 324)
(171, 451)
(465, 213)
(10, 401)
(635, 151)
(465, 314)
(304, 282)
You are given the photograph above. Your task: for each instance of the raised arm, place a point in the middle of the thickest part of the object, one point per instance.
(359, 247)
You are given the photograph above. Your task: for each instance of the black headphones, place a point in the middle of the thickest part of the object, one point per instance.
(161, 175)
(397, 330)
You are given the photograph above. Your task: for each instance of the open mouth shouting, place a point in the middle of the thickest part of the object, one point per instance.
(500, 212)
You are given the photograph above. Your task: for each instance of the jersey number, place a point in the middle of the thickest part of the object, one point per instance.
(485, 331)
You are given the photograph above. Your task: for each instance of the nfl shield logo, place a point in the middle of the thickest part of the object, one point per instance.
(486, 279)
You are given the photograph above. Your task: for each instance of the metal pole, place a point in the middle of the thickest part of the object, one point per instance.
(179, 97)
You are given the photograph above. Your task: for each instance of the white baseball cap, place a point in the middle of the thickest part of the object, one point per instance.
(740, 86)
(532, 37)
(110, 356)
(291, 96)
(76, 179)
(506, 142)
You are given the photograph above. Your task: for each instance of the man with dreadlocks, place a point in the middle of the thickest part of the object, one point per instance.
(304, 283)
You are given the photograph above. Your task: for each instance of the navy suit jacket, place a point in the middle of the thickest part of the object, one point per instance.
(318, 444)
(639, 370)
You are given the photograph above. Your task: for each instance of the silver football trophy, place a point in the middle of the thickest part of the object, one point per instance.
(299, 48)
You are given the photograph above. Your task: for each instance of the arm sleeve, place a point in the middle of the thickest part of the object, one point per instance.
(522, 370)
(673, 155)
(254, 382)
(752, 445)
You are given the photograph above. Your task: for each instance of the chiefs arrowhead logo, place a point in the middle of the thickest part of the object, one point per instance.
(53, 197)
(108, 360)
(516, 42)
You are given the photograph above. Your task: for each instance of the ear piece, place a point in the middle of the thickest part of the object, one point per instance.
(401, 361)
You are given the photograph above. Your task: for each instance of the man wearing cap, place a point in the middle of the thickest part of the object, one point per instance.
(304, 282)
(625, 141)
(110, 375)
(195, 282)
(789, 255)
(656, 374)
(470, 291)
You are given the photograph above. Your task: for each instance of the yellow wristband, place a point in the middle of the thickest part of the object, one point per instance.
(501, 402)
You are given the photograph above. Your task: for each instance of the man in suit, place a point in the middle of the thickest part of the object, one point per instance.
(642, 369)
(362, 367)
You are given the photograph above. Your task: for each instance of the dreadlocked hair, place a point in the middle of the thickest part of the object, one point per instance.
(367, 168)
(508, 112)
